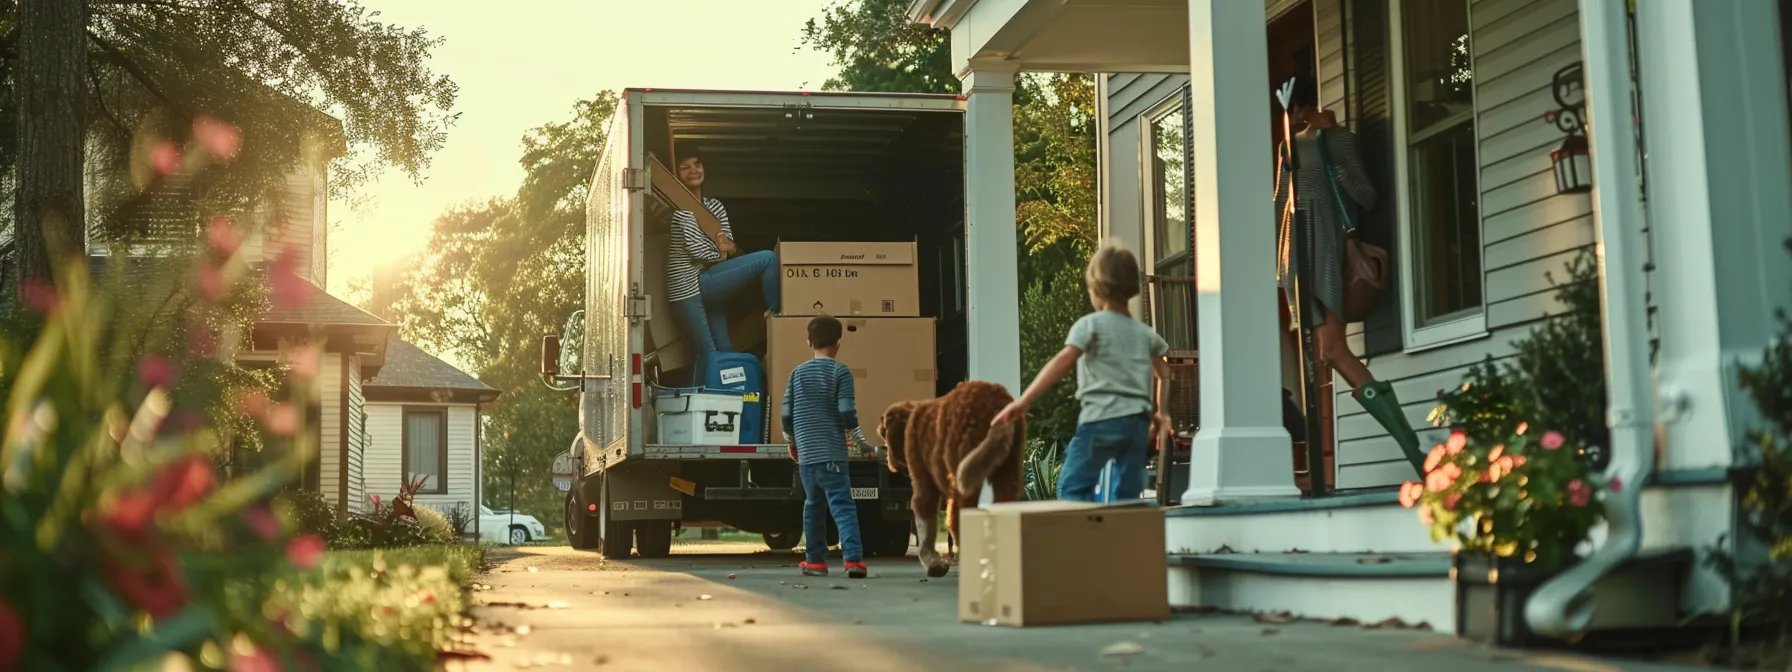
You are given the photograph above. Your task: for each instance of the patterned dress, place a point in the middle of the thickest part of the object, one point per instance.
(1325, 241)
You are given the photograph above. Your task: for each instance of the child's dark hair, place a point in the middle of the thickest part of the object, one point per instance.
(824, 332)
(685, 150)
(1113, 273)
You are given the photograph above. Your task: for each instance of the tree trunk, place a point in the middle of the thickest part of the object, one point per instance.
(49, 213)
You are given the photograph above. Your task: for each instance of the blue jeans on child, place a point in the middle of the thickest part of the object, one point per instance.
(1125, 440)
(827, 489)
(705, 316)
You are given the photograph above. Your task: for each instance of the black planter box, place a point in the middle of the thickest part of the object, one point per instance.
(1490, 596)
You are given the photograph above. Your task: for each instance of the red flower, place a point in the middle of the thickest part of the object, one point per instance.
(1451, 501)
(1578, 493)
(290, 290)
(1552, 440)
(12, 637)
(305, 550)
(158, 589)
(1435, 458)
(131, 513)
(223, 236)
(184, 482)
(165, 158)
(1410, 492)
(261, 520)
(1616, 484)
(39, 295)
(1438, 481)
(156, 371)
(256, 660)
(219, 138)
(1458, 439)
(210, 281)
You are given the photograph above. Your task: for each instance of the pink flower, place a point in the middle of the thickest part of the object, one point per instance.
(1435, 458)
(304, 362)
(12, 637)
(165, 158)
(1494, 455)
(290, 290)
(261, 520)
(1552, 440)
(1616, 484)
(255, 660)
(219, 138)
(1425, 515)
(305, 550)
(223, 236)
(39, 295)
(1410, 492)
(156, 371)
(1522, 426)
(255, 403)
(1458, 439)
(1438, 481)
(1578, 493)
(1451, 501)
(283, 419)
(210, 280)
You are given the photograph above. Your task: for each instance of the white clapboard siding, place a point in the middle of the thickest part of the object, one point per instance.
(385, 456)
(357, 496)
(329, 448)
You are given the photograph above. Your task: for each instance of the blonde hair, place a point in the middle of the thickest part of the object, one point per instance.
(1113, 273)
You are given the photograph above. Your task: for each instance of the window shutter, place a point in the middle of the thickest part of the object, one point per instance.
(1371, 115)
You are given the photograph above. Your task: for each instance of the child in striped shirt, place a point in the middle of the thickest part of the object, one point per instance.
(818, 413)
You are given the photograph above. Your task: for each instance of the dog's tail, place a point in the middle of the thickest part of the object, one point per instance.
(998, 446)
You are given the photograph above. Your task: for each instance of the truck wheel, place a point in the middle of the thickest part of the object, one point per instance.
(579, 532)
(653, 538)
(618, 539)
(782, 541)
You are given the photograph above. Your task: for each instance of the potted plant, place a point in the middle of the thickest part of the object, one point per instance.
(1516, 505)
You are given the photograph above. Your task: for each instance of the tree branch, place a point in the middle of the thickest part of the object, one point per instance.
(94, 76)
(124, 61)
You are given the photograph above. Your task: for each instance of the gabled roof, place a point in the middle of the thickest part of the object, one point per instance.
(409, 372)
(322, 308)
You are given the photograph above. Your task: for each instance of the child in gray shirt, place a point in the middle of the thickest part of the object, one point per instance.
(1115, 357)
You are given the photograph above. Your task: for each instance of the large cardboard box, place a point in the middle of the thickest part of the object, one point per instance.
(1062, 563)
(841, 279)
(892, 359)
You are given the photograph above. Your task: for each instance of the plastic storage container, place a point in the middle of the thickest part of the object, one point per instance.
(738, 372)
(693, 417)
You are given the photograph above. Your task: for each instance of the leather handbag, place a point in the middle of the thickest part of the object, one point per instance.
(1365, 265)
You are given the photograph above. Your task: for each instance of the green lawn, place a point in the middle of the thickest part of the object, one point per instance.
(385, 609)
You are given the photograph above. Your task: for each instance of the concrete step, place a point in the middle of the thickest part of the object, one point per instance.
(1366, 587)
(1369, 522)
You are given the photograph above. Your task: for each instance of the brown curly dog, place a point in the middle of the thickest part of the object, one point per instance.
(949, 449)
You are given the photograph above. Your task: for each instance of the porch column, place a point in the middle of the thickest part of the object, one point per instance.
(1242, 451)
(1715, 124)
(993, 274)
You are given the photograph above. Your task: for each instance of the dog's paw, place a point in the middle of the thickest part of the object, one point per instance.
(938, 569)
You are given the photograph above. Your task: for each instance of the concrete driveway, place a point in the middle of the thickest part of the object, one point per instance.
(726, 607)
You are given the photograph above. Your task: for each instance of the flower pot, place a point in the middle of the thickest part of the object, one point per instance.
(1490, 596)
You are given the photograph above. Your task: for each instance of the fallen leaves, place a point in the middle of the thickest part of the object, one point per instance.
(1123, 650)
(704, 597)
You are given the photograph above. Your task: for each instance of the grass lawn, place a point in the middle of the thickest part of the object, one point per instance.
(398, 607)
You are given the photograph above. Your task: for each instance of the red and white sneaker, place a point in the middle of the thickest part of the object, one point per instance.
(817, 569)
(856, 570)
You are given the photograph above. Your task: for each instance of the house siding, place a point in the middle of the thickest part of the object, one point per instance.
(329, 448)
(1528, 230)
(385, 454)
(356, 446)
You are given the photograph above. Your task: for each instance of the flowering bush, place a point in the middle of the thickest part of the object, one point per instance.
(1514, 497)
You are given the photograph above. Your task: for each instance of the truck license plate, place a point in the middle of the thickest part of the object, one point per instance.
(864, 493)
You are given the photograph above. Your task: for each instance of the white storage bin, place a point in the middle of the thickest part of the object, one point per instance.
(700, 419)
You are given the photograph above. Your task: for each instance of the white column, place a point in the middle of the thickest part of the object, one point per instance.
(1715, 124)
(992, 270)
(1242, 451)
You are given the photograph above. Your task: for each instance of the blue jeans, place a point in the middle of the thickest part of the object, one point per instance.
(705, 316)
(1125, 440)
(827, 489)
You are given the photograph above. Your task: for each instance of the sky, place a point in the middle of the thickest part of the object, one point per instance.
(524, 63)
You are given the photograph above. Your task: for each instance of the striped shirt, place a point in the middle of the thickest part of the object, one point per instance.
(818, 410)
(692, 251)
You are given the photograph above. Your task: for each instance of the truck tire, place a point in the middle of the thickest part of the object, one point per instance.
(579, 532)
(888, 539)
(619, 538)
(782, 541)
(653, 538)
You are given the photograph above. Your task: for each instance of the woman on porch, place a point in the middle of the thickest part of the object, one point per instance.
(700, 277)
(1327, 177)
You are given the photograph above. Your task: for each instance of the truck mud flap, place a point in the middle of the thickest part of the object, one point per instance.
(644, 491)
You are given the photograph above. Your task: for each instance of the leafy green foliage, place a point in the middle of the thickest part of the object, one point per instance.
(498, 276)
(390, 608)
(1054, 180)
(435, 525)
(1044, 462)
(1048, 308)
(877, 48)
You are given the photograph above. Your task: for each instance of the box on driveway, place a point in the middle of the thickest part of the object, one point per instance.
(1062, 563)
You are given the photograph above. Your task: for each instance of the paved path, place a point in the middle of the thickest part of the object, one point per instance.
(686, 613)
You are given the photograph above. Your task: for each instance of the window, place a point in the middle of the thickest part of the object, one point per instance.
(426, 448)
(1441, 229)
(1167, 254)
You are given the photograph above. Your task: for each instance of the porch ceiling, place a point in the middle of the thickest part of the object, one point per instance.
(1064, 35)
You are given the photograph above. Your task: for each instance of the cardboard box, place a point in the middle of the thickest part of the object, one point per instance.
(840, 279)
(1062, 563)
(892, 359)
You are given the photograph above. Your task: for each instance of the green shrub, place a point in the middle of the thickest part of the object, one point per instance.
(436, 525)
(1048, 308)
(1044, 462)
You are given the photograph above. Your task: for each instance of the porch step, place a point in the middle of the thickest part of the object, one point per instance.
(1369, 522)
(1414, 587)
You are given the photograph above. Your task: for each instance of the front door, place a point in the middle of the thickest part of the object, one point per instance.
(1291, 47)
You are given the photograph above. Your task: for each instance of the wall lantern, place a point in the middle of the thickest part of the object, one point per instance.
(1573, 162)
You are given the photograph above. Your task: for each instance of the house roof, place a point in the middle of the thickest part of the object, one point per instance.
(322, 308)
(408, 367)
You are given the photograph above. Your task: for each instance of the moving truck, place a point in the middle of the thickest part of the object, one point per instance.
(792, 169)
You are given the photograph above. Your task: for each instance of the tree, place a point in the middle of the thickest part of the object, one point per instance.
(497, 276)
(269, 68)
(878, 49)
(51, 60)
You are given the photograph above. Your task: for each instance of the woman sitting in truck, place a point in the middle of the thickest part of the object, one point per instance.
(702, 275)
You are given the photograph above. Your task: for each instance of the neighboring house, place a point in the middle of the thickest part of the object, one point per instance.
(423, 420)
(1448, 98)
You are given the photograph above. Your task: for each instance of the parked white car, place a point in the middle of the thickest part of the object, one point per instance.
(508, 528)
